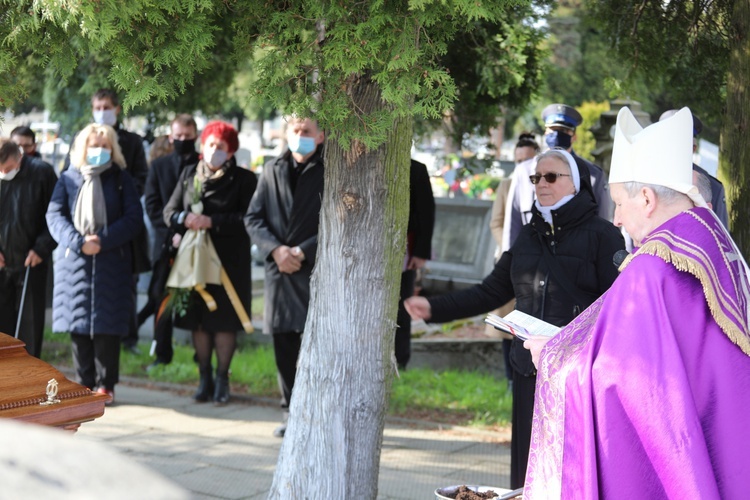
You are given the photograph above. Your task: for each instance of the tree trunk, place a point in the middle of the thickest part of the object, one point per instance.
(332, 444)
(734, 160)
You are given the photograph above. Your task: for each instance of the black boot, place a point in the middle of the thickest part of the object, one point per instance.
(221, 394)
(205, 387)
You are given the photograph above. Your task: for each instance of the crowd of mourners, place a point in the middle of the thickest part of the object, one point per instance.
(573, 395)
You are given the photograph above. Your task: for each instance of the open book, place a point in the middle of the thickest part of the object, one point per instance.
(522, 325)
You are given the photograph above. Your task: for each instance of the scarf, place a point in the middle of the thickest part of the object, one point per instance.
(90, 214)
(547, 211)
(204, 172)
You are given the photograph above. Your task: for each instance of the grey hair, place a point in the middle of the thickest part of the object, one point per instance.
(553, 153)
(664, 194)
(567, 160)
(704, 185)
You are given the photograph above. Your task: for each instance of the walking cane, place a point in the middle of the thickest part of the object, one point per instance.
(23, 299)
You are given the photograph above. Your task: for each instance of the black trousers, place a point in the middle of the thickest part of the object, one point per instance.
(132, 337)
(164, 350)
(286, 348)
(31, 330)
(523, 414)
(97, 360)
(403, 320)
(506, 359)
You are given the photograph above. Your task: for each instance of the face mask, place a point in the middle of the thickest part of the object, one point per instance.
(301, 144)
(105, 117)
(98, 156)
(217, 159)
(557, 139)
(8, 176)
(184, 147)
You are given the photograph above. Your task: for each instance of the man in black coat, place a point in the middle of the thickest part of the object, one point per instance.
(282, 220)
(160, 184)
(164, 172)
(418, 251)
(106, 109)
(26, 140)
(26, 186)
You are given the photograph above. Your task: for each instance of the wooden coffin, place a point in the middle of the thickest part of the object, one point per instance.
(34, 391)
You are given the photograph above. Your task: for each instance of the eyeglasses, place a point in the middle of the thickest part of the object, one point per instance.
(550, 177)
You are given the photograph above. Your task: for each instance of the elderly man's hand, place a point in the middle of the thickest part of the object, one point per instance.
(32, 259)
(535, 344)
(287, 261)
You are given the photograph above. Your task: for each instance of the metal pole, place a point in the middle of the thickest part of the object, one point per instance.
(23, 299)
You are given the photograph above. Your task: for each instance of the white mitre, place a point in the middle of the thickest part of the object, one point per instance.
(660, 154)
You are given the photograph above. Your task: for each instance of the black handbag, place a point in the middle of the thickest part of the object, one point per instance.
(139, 252)
(139, 245)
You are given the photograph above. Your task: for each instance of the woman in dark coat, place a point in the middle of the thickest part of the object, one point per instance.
(560, 264)
(93, 215)
(225, 193)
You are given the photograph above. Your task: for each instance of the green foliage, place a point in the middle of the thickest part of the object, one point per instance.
(179, 300)
(416, 53)
(585, 142)
(310, 65)
(680, 49)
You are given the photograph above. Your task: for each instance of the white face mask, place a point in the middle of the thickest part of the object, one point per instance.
(8, 176)
(105, 117)
(217, 159)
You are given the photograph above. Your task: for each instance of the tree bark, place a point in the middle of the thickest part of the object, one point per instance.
(734, 160)
(332, 444)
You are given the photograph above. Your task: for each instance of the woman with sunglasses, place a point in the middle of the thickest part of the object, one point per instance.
(560, 263)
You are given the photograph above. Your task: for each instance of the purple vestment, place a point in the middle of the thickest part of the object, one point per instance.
(646, 393)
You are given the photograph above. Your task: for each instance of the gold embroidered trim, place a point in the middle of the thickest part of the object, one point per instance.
(684, 263)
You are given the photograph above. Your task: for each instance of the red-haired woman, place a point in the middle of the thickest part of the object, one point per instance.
(224, 191)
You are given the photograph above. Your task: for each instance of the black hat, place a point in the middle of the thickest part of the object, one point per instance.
(561, 115)
(697, 124)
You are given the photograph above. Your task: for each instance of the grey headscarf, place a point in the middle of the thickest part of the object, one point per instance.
(90, 213)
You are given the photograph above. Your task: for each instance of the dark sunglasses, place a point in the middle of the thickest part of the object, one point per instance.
(550, 177)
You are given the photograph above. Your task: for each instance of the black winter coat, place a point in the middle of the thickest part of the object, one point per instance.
(160, 183)
(421, 212)
(93, 294)
(225, 200)
(581, 249)
(276, 217)
(23, 205)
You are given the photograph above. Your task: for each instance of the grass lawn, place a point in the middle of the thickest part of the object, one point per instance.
(455, 397)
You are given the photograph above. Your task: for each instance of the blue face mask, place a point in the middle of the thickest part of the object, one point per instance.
(558, 139)
(98, 156)
(302, 145)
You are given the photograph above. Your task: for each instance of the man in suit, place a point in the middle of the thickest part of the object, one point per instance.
(160, 183)
(418, 251)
